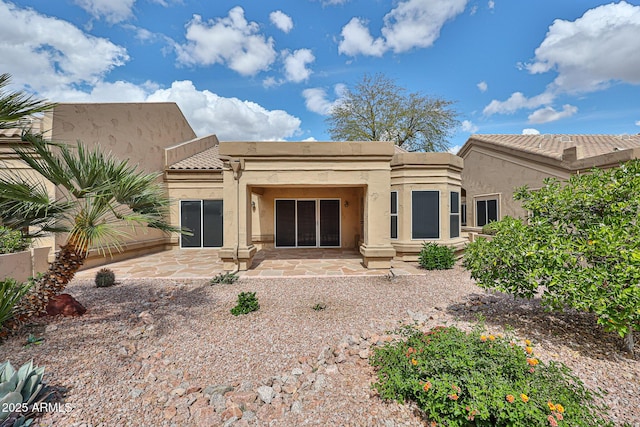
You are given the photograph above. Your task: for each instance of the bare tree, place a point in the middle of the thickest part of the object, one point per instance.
(377, 109)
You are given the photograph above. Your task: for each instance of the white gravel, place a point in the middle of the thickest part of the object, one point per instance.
(147, 349)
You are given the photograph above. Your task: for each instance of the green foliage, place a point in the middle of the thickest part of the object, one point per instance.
(377, 109)
(10, 294)
(436, 257)
(18, 391)
(12, 241)
(580, 246)
(15, 106)
(224, 278)
(247, 302)
(461, 379)
(489, 228)
(105, 278)
(34, 340)
(319, 306)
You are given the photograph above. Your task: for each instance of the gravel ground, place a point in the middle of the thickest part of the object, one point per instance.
(163, 353)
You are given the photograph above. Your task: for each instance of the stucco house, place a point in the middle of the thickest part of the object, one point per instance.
(240, 197)
(495, 165)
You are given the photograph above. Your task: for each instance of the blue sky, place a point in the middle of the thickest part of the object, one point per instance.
(258, 70)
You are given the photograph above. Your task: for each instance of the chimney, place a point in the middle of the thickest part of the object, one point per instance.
(572, 154)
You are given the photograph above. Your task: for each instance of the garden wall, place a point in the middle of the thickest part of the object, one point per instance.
(25, 264)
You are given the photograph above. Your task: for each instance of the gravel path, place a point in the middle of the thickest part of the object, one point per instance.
(165, 353)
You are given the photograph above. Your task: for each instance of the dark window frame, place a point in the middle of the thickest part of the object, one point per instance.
(393, 216)
(454, 214)
(203, 230)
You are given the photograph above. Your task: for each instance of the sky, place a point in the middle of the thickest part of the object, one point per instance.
(258, 70)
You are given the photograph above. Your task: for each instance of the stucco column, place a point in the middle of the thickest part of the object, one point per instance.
(246, 249)
(228, 252)
(377, 250)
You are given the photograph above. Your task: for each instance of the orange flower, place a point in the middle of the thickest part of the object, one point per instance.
(552, 421)
(510, 398)
(529, 350)
(492, 338)
(427, 386)
(559, 408)
(414, 362)
(532, 361)
(483, 338)
(524, 398)
(453, 396)
(559, 416)
(433, 424)
(527, 342)
(552, 407)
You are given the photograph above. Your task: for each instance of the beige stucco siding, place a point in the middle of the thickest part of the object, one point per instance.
(263, 219)
(488, 173)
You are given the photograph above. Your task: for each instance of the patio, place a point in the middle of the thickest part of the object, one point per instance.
(205, 263)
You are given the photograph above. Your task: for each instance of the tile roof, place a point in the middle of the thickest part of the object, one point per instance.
(205, 160)
(32, 123)
(552, 146)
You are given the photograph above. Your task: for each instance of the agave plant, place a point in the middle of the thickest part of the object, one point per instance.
(19, 389)
(99, 199)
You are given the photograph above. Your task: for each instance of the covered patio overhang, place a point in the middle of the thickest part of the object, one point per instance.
(306, 194)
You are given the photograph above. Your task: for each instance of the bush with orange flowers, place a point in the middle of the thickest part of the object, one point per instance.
(468, 379)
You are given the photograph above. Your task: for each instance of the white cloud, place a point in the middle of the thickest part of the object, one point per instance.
(467, 126)
(530, 131)
(231, 41)
(49, 54)
(113, 11)
(411, 24)
(231, 119)
(549, 114)
(295, 65)
(638, 123)
(483, 86)
(593, 51)
(317, 101)
(454, 149)
(491, 4)
(281, 20)
(356, 40)
(517, 101)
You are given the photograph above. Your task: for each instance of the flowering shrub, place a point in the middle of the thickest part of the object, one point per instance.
(461, 379)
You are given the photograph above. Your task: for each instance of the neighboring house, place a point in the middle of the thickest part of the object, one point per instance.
(495, 165)
(241, 197)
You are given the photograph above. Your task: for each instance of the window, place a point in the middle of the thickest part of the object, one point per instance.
(454, 214)
(486, 211)
(463, 214)
(425, 214)
(203, 218)
(394, 214)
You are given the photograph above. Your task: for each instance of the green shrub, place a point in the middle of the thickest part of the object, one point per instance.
(319, 306)
(224, 279)
(247, 302)
(461, 379)
(436, 257)
(105, 278)
(11, 241)
(11, 292)
(490, 228)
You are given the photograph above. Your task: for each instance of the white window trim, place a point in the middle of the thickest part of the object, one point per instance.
(201, 224)
(396, 215)
(439, 217)
(317, 246)
(485, 197)
(454, 213)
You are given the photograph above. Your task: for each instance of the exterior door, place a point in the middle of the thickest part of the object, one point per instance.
(307, 223)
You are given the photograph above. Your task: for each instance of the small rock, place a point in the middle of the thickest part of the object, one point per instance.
(289, 388)
(217, 388)
(266, 393)
(364, 354)
(218, 402)
(231, 421)
(170, 412)
(146, 317)
(178, 392)
(231, 412)
(296, 407)
(297, 371)
(136, 392)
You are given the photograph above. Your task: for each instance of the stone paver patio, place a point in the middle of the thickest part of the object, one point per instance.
(204, 264)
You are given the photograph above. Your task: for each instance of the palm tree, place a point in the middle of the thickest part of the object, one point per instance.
(98, 199)
(15, 106)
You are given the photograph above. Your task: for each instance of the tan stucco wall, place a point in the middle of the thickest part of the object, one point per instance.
(307, 164)
(263, 216)
(138, 132)
(427, 172)
(488, 172)
(191, 185)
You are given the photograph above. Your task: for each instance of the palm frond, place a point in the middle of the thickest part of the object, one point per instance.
(15, 106)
